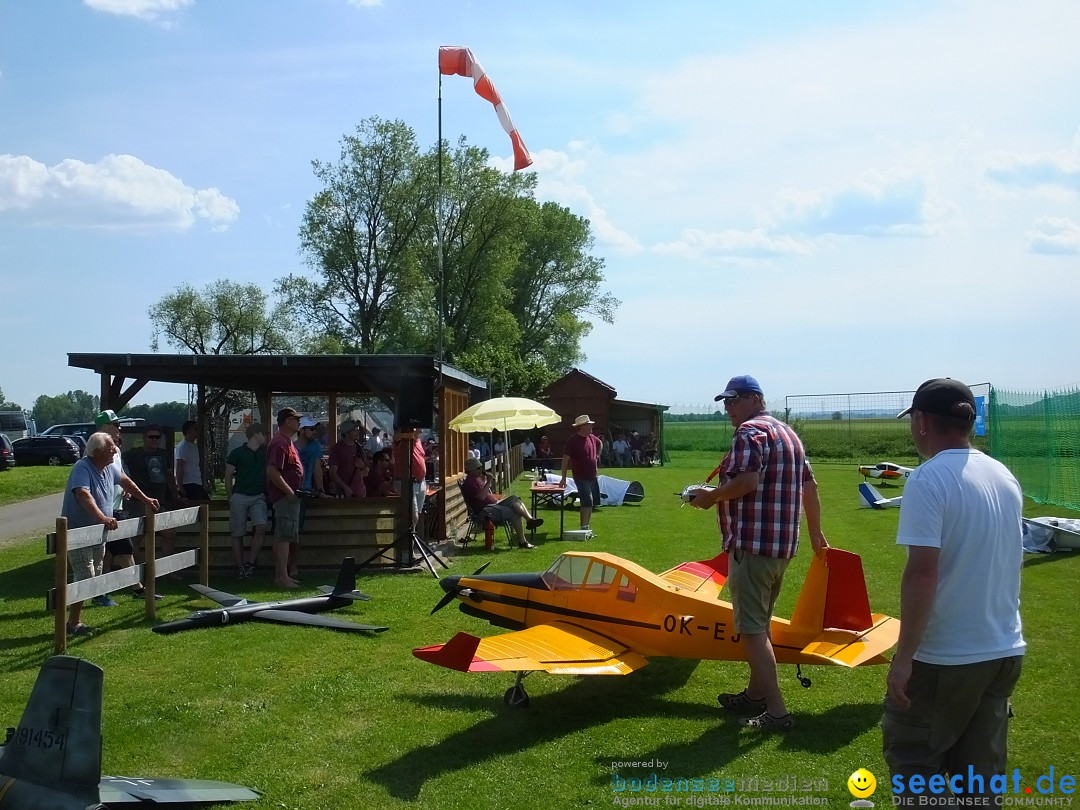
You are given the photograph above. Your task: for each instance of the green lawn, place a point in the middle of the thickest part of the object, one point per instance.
(24, 483)
(317, 719)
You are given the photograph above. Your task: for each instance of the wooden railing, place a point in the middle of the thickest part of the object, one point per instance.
(65, 594)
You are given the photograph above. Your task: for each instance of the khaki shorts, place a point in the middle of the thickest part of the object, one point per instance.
(86, 562)
(287, 521)
(243, 507)
(755, 583)
(959, 718)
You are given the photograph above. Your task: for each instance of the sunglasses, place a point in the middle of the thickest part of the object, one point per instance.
(731, 400)
(153, 437)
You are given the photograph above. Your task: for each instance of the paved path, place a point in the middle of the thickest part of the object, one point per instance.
(38, 515)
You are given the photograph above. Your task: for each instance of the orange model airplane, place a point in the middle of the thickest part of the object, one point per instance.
(593, 613)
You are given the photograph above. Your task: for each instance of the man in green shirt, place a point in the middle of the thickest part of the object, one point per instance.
(245, 487)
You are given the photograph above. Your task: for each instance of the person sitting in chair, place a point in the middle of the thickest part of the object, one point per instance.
(479, 498)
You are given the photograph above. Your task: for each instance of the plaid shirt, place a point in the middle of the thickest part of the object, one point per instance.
(766, 521)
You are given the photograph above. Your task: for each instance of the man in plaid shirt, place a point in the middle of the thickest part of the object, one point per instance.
(765, 484)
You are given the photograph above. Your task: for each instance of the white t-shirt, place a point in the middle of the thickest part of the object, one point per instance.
(118, 491)
(968, 505)
(528, 449)
(188, 452)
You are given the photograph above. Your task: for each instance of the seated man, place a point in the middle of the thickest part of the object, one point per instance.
(380, 481)
(480, 499)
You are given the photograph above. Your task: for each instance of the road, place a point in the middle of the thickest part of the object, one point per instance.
(37, 515)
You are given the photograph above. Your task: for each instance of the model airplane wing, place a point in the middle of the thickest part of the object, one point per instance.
(314, 620)
(706, 577)
(839, 647)
(121, 791)
(559, 648)
(221, 597)
(353, 594)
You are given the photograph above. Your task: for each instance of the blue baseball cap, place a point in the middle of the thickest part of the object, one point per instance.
(742, 384)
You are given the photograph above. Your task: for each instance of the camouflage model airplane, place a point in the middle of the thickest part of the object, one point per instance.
(593, 613)
(290, 611)
(52, 760)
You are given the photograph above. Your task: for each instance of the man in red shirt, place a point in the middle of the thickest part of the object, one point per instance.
(413, 479)
(476, 489)
(284, 475)
(581, 454)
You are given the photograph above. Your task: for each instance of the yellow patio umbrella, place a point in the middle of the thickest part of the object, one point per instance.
(504, 413)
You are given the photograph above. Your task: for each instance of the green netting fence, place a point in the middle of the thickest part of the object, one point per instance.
(1036, 434)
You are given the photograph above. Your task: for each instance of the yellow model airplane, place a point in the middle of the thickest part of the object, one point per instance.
(593, 613)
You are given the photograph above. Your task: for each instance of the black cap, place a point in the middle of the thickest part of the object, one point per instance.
(943, 396)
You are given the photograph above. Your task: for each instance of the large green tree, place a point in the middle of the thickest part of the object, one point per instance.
(7, 406)
(359, 236)
(74, 406)
(223, 318)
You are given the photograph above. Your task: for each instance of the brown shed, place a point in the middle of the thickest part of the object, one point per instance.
(578, 392)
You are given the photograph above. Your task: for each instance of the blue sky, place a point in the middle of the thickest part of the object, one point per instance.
(830, 196)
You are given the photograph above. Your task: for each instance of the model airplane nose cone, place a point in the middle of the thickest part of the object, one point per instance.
(449, 584)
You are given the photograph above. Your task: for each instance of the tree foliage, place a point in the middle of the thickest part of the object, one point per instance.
(516, 289)
(8, 406)
(223, 318)
(74, 406)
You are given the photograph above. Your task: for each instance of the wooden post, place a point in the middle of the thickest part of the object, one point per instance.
(150, 563)
(204, 544)
(60, 583)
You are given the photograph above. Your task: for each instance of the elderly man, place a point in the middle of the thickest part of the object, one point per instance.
(88, 501)
(479, 498)
(960, 649)
(765, 484)
(581, 455)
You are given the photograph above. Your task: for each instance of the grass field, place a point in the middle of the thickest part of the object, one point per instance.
(316, 719)
(24, 483)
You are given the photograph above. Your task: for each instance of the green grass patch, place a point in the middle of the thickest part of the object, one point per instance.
(24, 483)
(317, 719)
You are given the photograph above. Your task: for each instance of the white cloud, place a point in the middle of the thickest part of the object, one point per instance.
(119, 192)
(1055, 236)
(1059, 168)
(143, 9)
(694, 243)
(867, 207)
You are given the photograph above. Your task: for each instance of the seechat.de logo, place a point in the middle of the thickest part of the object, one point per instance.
(862, 785)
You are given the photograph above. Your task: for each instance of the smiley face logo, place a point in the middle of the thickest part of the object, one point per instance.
(862, 784)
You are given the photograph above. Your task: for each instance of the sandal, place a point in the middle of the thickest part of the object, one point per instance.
(741, 702)
(767, 722)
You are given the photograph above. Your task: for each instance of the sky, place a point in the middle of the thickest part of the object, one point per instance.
(832, 197)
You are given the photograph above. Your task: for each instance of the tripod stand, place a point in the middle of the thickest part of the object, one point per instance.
(409, 541)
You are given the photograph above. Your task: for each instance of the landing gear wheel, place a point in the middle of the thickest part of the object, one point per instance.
(516, 697)
(802, 679)
(806, 683)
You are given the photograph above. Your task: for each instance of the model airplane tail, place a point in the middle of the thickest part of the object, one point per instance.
(705, 576)
(57, 744)
(870, 498)
(834, 604)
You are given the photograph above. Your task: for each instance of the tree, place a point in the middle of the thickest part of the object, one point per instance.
(74, 406)
(172, 414)
(359, 235)
(837, 416)
(223, 318)
(7, 406)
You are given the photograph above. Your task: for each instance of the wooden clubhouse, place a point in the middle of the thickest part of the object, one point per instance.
(418, 389)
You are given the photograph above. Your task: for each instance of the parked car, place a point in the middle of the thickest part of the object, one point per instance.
(51, 450)
(7, 455)
(80, 431)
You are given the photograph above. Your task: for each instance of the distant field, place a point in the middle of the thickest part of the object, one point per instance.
(24, 483)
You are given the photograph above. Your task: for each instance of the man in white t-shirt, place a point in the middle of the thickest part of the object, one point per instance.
(961, 648)
(188, 469)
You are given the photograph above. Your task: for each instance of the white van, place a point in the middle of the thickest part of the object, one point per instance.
(16, 425)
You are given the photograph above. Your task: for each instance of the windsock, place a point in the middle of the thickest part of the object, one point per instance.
(454, 61)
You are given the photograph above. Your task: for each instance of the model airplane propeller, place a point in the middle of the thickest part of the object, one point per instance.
(52, 760)
(593, 613)
(237, 609)
(886, 472)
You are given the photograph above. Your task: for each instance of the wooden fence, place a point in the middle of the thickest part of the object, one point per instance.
(65, 593)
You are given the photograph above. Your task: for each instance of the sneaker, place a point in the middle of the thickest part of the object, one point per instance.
(80, 630)
(741, 702)
(104, 601)
(766, 722)
(248, 569)
(242, 572)
(525, 544)
(141, 594)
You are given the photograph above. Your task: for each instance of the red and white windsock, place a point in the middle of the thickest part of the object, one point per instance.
(455, 61)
